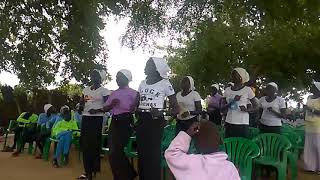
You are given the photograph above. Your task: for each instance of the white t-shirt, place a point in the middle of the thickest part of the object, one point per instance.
(235, 115)
(268, 118)
(153, 96)
(94, 99)
(186, 103)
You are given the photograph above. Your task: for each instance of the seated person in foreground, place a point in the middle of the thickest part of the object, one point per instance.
(64, 131)
(210, 164)
(26, 130)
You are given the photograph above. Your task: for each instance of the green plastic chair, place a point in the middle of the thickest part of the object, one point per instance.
(241, 152)
(253, 132)
(129, 150)
(12, 123)
(169, 134)
(293, 153)
(274, 152)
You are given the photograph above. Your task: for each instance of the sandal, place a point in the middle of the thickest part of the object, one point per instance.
(55, 163)
(82, 176)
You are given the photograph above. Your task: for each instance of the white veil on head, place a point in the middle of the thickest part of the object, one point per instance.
(161, 66)
(243, 74)
(191, 81)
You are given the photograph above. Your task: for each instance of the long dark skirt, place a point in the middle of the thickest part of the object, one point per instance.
(269, 129)
(215, 117)
(120, 133)
(149, 134)
(91, 132)
(236, 130)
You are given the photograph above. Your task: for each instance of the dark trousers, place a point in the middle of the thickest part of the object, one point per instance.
(28, 136)
(120, 132)
(41, 139)
(149, 133)
(17, 135)
(184, 125)
(236, 130)
(269, 129)
(91, 134)
(215, 117)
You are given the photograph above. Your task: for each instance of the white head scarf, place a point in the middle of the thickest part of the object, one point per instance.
(274, 85)
(191, 81)
(231, 83)
(78, 106)
(317, 84)
(103, 74)
(127, 74)
(64, 107)
(161, 66)
(243, 73)
(216, 86)
(47, 107)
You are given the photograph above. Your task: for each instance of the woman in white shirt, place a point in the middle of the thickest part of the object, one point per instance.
(189, 102)
(94, 97)
(149, 129)
(236, 99)
(274, 110)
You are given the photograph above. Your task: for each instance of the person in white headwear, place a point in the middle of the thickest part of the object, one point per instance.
(236, 99)
(214, 105)
(153, 92)
(274, 110)
(311, 155)
(49, 115)
(92, 102)
(189, 102)
(122, 103)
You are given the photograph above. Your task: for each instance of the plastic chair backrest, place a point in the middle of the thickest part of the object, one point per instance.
(11, 125)
(167, 137)
(253, 132)
(272, 146)
(241, 151)
(293, 137)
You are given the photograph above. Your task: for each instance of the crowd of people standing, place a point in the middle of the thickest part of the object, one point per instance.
(230, 109)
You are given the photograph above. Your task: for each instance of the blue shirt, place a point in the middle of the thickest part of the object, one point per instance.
(43, 118)
(78, 118)
(53, 121)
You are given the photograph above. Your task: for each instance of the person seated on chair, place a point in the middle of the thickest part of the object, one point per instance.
(26, 130)
(210, 164)
(64, 131)
(78, 114)
(44, 118)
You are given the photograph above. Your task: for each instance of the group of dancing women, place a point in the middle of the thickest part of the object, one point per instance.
(148, 106)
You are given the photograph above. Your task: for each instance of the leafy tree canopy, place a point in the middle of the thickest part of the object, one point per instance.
(276, 40)
(39, 37)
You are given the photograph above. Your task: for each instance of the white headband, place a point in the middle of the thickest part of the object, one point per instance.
(127, 74)
(243, 73)
(102, 73)
(64, 107)
(274, 85)
(216, 86)
(47, 107)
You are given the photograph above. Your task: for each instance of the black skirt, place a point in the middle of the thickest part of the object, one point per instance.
(91, 134)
